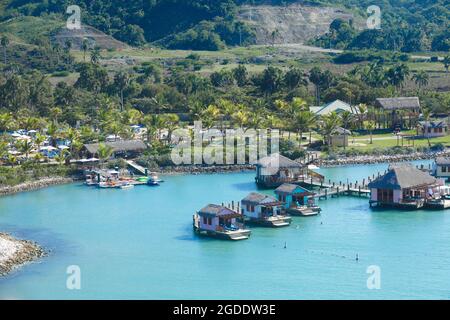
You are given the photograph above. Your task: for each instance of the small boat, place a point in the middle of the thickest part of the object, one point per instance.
(155, 178)
(127, 186)
(220, 222)
(152, 183)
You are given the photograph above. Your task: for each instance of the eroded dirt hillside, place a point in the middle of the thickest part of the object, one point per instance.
(292, 24)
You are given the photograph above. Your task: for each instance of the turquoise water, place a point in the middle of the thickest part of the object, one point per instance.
(139, 244)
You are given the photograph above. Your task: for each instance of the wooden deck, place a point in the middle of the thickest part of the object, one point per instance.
(332, 189)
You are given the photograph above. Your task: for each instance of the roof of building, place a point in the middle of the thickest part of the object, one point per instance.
(123, 145)
(398, 103)
(255, 198)
(289, 188)
(434, 124)
(335, 106)
(342, 131)
(278, 160)
(442, 161)
(218, 211)
(403, 177)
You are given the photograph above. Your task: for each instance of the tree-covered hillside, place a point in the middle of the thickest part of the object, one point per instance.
(407, 25)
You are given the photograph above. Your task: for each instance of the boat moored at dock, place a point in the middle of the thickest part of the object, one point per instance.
(220, 222)
(264, 210)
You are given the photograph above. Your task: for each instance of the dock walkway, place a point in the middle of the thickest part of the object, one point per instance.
(333, 189)
(137, 167)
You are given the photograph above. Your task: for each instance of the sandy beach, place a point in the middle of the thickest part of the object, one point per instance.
(15, 253)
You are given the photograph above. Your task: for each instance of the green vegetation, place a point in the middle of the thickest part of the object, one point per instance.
(407, 26)
(10, 176)
(85, 96)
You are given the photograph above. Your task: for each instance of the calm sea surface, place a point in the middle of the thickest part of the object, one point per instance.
(139, 244)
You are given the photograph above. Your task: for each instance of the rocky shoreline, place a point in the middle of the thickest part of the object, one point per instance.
(15, 253)
(34, 185)
(360, 160)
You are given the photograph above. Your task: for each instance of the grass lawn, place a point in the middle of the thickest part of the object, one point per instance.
(363, 144)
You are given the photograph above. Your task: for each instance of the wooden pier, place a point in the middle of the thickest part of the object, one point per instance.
(333, 189)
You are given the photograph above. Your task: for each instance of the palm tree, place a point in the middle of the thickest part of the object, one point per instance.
(426, 113)
(38, 157)
(5, 43)
(303, 122)
(196, 109)
(370, 126)
(62, 157)
(346, 118)
(12, 160)
(330, 123)
(274, 35)
(361, 110)
(53, 132)
(153, 123)
(25, 147)
(7, 122)
(95, 55)
(85, 48)
(446, 62)
(210, 115)
(397, 75)
(171, 121)
(421, 79)
(104, 153)
(39, 140)
(122, 80)
(3, 149)
(57, 50)
(72, 135)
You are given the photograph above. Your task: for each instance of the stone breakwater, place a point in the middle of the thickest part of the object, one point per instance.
(345, 161)
(211, 169)
(15, 253)
(34, 185)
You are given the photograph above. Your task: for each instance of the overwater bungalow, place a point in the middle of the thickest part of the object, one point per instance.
(264, 210)
(297, 200)
(276, 169)
(404, 186)
(220, 222)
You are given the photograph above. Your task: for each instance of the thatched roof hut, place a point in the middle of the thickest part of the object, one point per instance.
(122, 146)
(401, 177)
(401, 103)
